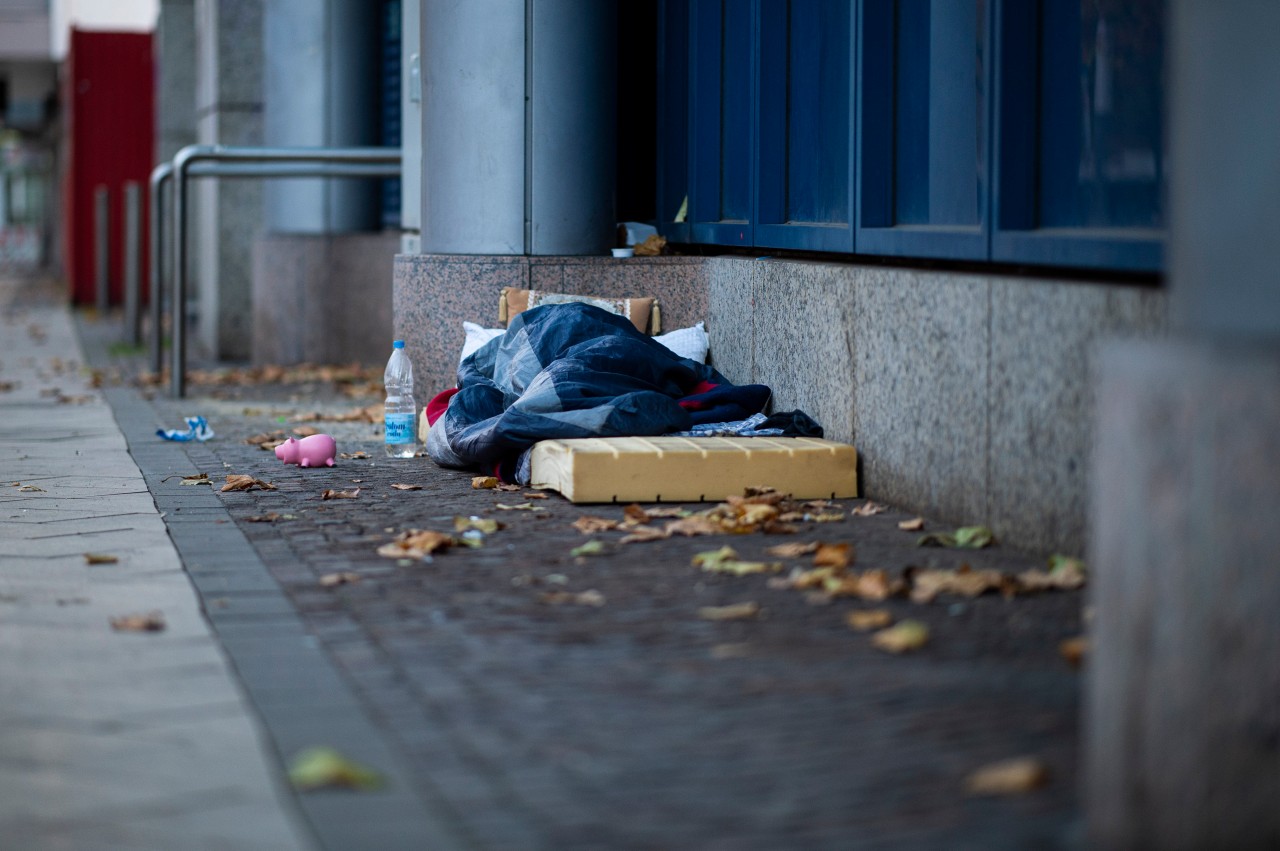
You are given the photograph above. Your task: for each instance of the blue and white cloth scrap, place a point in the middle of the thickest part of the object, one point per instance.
(197, 429)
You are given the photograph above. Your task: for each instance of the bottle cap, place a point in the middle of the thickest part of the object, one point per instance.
(397, 344)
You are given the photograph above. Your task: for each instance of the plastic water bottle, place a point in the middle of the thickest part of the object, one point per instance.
(401, 409)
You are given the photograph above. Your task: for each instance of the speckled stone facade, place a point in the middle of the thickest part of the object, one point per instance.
(968, 396)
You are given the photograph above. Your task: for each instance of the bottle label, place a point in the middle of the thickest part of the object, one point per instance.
(399, 428)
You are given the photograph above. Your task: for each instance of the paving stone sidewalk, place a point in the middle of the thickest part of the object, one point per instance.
(108, 740)
(506, 719)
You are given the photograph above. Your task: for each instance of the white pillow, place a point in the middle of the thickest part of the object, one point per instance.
(477, 337)
(691, 343)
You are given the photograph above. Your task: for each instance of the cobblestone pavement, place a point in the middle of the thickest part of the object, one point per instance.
(523, 723)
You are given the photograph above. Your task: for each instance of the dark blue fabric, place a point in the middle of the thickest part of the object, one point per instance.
(570, 371)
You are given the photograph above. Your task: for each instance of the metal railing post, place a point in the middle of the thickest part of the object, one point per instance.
(132, 262)
(220, 161)
(160, 176)
(101, 248)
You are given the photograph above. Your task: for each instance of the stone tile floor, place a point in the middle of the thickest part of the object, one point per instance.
(633, 724)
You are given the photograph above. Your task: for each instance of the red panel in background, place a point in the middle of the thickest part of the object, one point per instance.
(109, 115)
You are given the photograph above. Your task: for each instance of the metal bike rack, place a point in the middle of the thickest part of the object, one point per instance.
(223, 161)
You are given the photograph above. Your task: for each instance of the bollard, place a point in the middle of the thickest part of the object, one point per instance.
(132, 257)
(101, 243)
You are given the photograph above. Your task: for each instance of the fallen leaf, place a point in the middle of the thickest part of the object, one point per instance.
(1064, 574)
(534, 495)
(149, 622)
(330, 580)
(735, 612)
(404, 487)
(354, 456)
(267, 439)
(31, 489)
(100, 558)
(1074, 650)
(966, 537)
(754, 514)
(902, 637)
(725, 560)
(524, 506)
(321, 767)
(416, 543)
(305, 431)
(660, 513)
(868, 509)
(237, 482)
(481, 524)
(330, 493)
(962, 582)
(1008, 777)
(915, 524)
(793, 550)
(874, 585)
(269, 517)
(863, 620)
(584, 598)
(644, 534)
(835, 556)
(199, 479)
(696, 524)
(825, 517)
(589, 525)
(590, 548)
(634, 515)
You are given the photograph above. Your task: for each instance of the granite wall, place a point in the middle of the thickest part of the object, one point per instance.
(969, 397)
(322, 299)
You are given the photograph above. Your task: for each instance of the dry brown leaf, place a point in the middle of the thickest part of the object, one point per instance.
(354, 456)
(863, 620)
(589, 525)
(754, 514)
(915, 524)
(507, 487)
(100, 558)
(236, 482)
(416, 543)
(149, 622)
(486, 525)
(31, 489)
(1008, 777)
(735, 612)
(330, 493)
(644, 534)
(267, 439)
(825, 517)
(524, 506)
(792, 550)
(874, 585)
(484, 482)
(269, 517)
(836, 556)
(1074, 650)
(695, 525)
(962, 582)
(583, 598)
(534, 495)
(868, 509)
(671, 512)
(330, 580)
(305, 431)
(902, 637)
(404, 487)
(1067, 574)
(634, 515)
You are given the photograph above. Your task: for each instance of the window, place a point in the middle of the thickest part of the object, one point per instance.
(1025, 131)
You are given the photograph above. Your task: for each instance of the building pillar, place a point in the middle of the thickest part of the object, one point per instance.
(1182, 707)
(228, 213)
(518, 126)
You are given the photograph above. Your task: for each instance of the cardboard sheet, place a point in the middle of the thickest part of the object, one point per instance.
(692, 469)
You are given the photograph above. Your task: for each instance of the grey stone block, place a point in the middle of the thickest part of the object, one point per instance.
(1044, 337)
(1183, 735)
(920, 421)
(804, 341)
(731, 317)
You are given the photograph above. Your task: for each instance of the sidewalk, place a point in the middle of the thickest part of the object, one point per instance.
(516, 696)
(107, 739)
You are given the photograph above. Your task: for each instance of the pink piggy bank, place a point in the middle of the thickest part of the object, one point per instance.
(313, 451)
